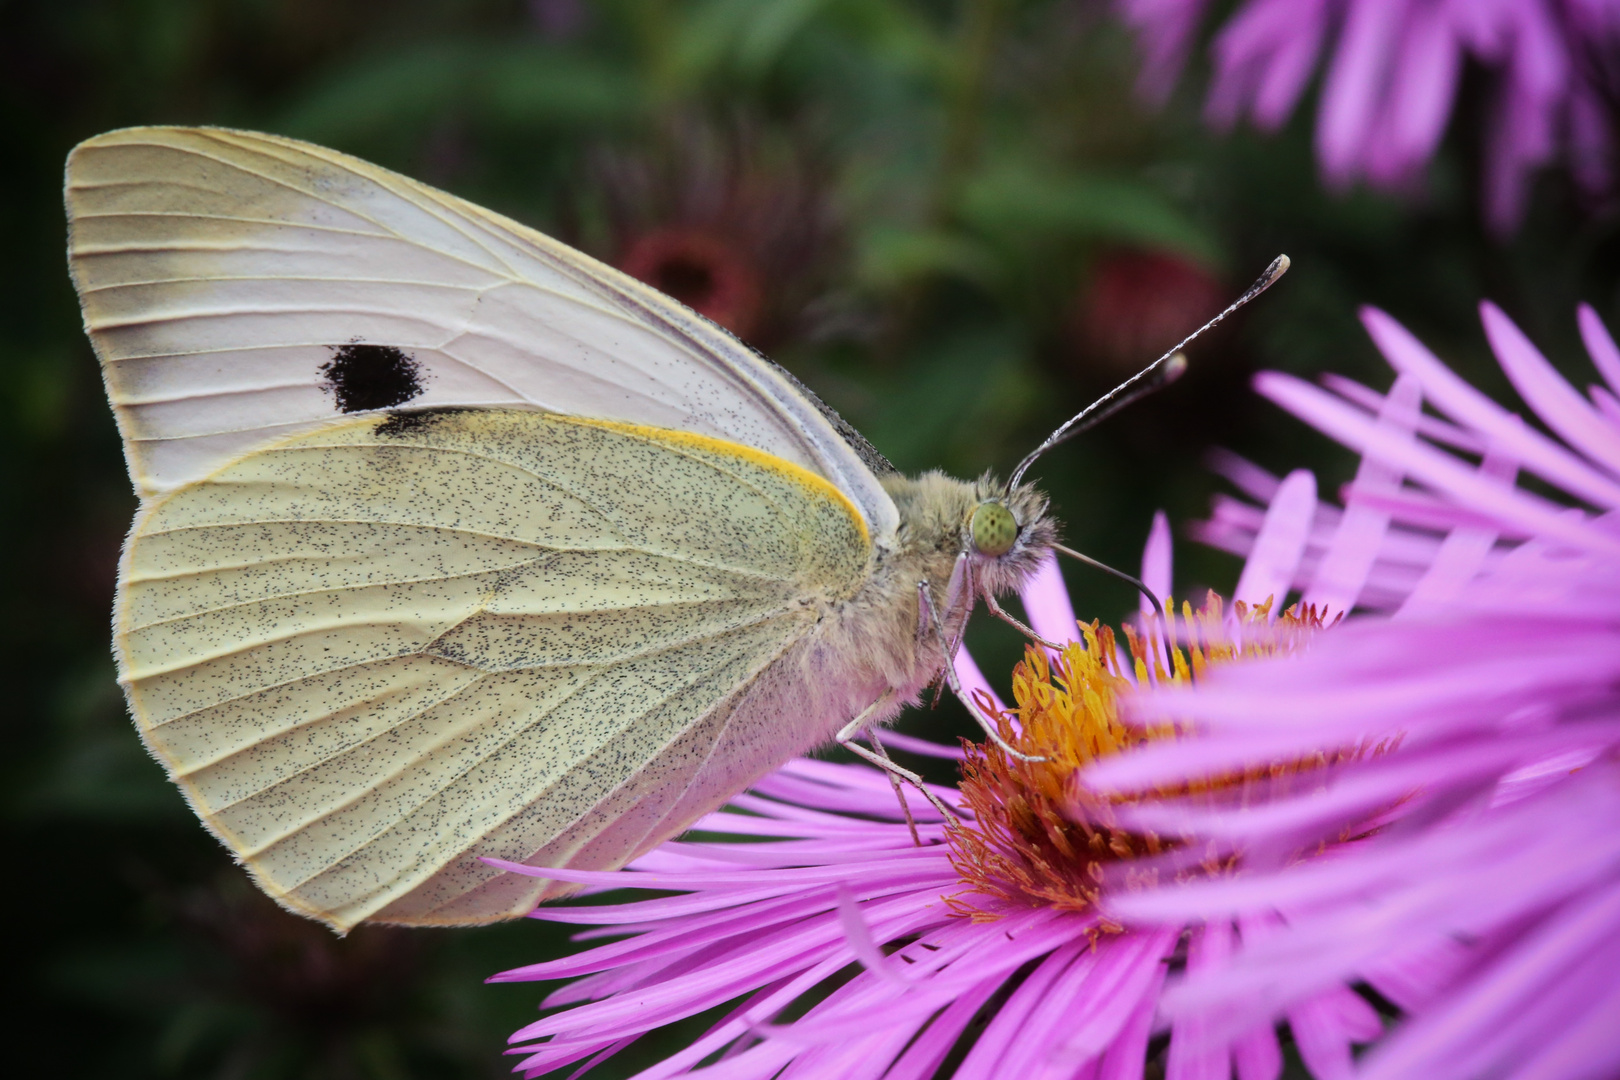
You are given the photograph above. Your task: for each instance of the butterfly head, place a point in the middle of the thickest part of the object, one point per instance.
(1007, 533)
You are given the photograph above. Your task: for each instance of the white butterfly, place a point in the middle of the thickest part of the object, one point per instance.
(455, 543)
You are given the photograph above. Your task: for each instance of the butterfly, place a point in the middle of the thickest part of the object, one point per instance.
(455, 544)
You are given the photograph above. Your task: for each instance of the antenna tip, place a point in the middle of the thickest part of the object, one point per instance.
(1279, 266)
(1174, 368)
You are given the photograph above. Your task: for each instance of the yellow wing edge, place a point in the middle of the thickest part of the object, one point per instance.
(722, 447)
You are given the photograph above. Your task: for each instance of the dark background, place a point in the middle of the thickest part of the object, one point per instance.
(949, 217)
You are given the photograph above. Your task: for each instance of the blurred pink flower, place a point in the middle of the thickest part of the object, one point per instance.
(827, 880)
(1486, 902)
(1393, 75)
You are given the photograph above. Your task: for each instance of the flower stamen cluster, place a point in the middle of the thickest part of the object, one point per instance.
(1036, 838)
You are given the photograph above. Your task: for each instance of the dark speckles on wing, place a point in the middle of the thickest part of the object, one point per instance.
(370, 649)
(399, 425)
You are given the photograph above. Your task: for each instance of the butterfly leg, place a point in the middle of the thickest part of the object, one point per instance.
(925, 609)
(855, 728)
(963, 571)
(1007, 617)
(894, 782)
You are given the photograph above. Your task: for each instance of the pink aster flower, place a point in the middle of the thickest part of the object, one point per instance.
(845, 949)
(1392, 75)
(1484, 898)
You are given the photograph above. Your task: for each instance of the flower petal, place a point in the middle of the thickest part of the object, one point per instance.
(1468, 406)
(1599, 345)
(1558, 404)
(1440, 471)
(1277, 549)
(1338, 581)
(1353, 89)
(1046, 602)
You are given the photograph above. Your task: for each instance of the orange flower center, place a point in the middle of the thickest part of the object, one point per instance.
(1036, 837)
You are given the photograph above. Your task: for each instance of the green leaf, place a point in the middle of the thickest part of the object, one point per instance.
(1024, 202)
(770, 29)
(891, 256)
(374, 92)
(954, 399)
(529, 84)
(518, 83)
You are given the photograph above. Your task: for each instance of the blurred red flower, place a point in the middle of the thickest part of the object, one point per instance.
(1136, 304)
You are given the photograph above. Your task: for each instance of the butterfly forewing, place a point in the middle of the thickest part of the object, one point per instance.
(241, 287)
(374, 652)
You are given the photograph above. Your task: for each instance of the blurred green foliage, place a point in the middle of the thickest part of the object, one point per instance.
(930, 196)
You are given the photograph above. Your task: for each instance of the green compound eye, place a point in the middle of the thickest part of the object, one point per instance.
(994, 529)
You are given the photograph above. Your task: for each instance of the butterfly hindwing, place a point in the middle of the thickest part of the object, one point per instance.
(376, 651)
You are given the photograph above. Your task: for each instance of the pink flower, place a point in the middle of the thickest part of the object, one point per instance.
(987, 914)
(1393, 75)
(1486, 899)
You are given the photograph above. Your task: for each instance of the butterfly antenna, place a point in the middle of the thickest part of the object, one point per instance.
(1162, 372)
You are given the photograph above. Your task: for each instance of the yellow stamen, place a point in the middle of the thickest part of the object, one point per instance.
(1036, 837)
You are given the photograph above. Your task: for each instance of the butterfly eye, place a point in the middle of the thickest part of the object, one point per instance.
(994, 529)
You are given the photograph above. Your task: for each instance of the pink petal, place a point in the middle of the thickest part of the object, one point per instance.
(1414, 978)
(1243, 51)
(1419, 101)
(1410, 506)
(1468, 406)
(1165, 30)
(1129, 969)
(924, 1056)
(1326, 1025)
(1518, 508)
(1465, 549)
(1489, 1006)
(1284, 78)
(1586, 1047)
(1127, 1054)
(973, 681)
(1011, 1025)
(1600, 345)
(1531, 100)
(1156, 575)
(925, 747)
(1046, 602)
(1277, 550)
(724, 1033)
(1430, 427)
(1606, 403)
(858, 936)
(1558, 404)
(1245, 475)
(1354, 87)
(1339, 579)
(1195, 1053)
(1257, 1054)
(1156, 558)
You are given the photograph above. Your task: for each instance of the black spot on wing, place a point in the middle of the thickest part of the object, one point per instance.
(361, 376)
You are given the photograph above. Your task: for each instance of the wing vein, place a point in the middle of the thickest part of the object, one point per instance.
(416, 712)
(346, 279)
(634, 549)
(687, 684)
(400, 187)
(332, 589)
(244, 695)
